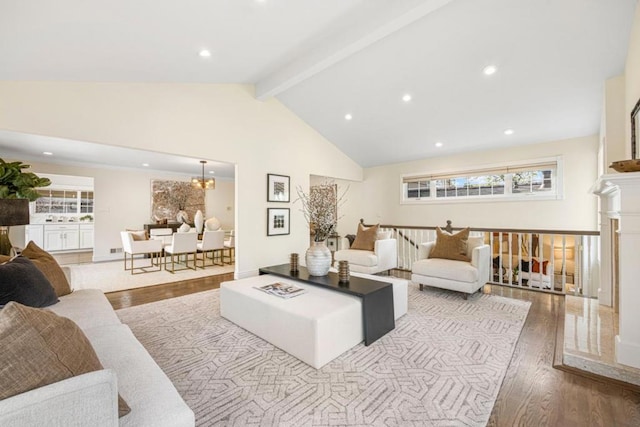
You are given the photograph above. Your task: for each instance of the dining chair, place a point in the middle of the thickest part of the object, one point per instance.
(212, 242)
(131, 248)
(162, 234)
(181, 244)
(230, 248)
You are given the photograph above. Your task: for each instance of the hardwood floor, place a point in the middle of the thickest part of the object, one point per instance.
(533, 393)
(132, 297)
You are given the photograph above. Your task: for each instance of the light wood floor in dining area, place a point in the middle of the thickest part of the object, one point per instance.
(533, 393)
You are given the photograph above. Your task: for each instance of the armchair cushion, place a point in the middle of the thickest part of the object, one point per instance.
(358, 257)
(366, 238)
(536, 266)
(451, 246)
(446, 269)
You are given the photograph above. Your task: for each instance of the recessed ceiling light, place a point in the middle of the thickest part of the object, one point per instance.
(146, 165)
(47, 153)
(439, 144)
(508, 132)
(204, 53)
(211, 172)
(406, 97)
(348, 117)
(489, 70)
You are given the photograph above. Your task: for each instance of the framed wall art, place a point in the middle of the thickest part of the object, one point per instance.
(635, 131)
(277, 221)
(278, 188)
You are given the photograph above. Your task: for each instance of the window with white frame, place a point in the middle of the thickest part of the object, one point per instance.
(533, 179)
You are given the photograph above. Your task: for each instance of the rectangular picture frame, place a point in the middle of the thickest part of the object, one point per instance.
(278, 188)
(278, 221)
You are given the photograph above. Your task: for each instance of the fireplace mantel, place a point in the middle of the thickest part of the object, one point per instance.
(620, 199)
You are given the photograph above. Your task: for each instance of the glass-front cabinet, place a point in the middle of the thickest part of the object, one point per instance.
(62, 219)
(56, 202)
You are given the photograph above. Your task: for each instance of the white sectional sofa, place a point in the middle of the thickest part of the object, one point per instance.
(91, 399)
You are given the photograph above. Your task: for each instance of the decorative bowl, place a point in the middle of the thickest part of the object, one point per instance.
(626, 165)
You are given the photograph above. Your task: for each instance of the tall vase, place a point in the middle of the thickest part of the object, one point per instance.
(318, 258)
(198, 220)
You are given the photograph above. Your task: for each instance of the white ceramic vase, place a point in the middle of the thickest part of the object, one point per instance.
(318, 258)
(182, 216)
(198, 221)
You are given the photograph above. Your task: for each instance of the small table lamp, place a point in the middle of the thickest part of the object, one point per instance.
(12, 212)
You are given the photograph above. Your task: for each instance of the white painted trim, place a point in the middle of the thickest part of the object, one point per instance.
(339, 49)
(557, 194)
(627, 353)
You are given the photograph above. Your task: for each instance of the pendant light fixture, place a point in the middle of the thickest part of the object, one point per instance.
(201, 182)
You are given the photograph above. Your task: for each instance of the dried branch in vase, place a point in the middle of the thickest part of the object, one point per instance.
(320, 208)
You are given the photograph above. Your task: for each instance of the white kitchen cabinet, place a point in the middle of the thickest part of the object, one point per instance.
(35, 233)
(61, 237)
(86, 236)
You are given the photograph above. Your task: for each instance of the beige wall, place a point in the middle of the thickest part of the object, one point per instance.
(614, 125)
(221, 203)
(218, 122)
(577, 211)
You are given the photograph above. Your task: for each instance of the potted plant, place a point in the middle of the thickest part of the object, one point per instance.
(17, 189)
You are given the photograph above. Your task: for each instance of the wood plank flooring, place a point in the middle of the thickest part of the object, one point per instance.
(533, 393)
(132, 297)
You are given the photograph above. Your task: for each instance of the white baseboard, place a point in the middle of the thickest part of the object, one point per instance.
(627, 353)
(104, 258)
(245, 274)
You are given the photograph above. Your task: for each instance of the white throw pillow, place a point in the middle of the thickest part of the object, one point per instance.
(472, 243)
(383, 234)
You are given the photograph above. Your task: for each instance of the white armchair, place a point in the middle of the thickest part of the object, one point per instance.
(132, 247)
(383, 257)
(461, 276)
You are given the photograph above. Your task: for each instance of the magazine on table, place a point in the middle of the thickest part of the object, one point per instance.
(282, 290)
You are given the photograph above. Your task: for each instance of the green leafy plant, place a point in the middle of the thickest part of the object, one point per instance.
(15, 183)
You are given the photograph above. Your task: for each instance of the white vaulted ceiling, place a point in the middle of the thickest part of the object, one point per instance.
(325, 59)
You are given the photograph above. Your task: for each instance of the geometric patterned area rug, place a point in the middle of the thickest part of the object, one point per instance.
(442, 365)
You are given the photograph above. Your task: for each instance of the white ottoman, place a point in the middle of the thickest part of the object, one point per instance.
(315, 327)
(400, 291)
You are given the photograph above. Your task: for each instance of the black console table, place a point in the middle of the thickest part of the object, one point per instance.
(377, 297)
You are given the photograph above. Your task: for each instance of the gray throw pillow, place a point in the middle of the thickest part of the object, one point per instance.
(23, 282)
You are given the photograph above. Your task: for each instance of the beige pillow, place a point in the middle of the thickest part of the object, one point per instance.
(451, 246)
(366, 238)
(138, 235)
(472, 243)
(49, 267)
(39, 348)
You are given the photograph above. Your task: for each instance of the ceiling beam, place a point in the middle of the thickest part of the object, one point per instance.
(340, 47)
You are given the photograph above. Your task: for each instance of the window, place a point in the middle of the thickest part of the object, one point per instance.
(534, 179)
